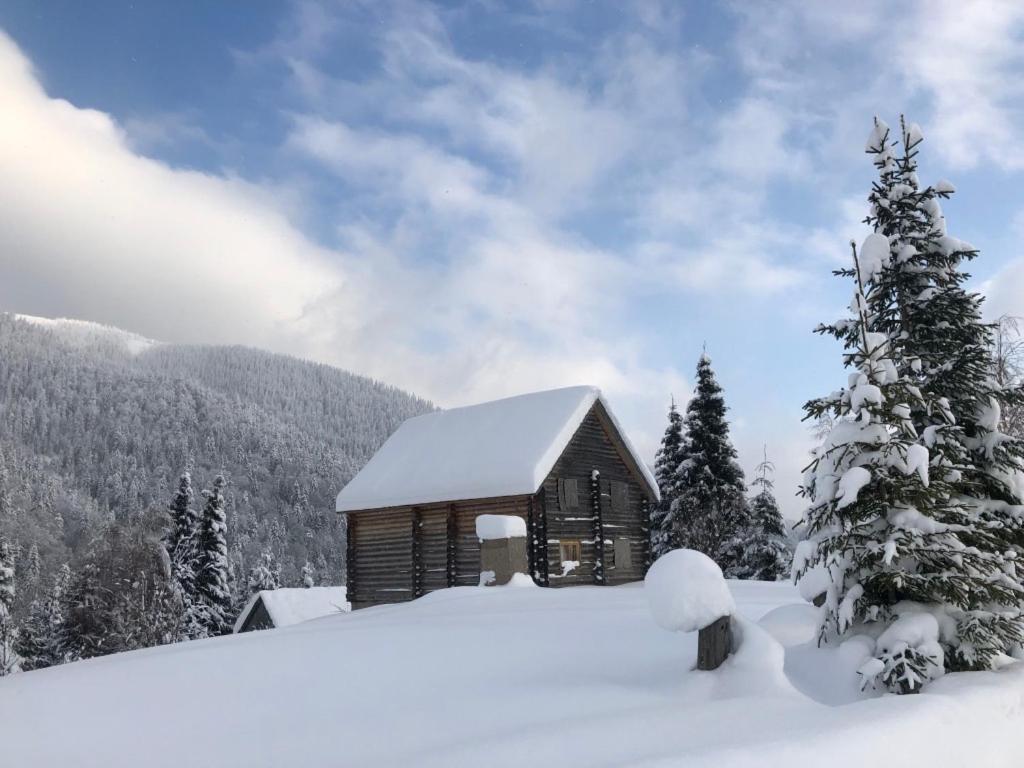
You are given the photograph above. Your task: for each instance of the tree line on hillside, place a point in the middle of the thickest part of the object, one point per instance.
(93, 440)
(140, 586)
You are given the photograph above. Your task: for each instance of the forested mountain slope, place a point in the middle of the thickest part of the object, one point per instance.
(96, 425)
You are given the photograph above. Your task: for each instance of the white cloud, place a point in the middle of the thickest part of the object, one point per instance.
(92, 229)
(967, 56)
(953, 66)
(88, 228)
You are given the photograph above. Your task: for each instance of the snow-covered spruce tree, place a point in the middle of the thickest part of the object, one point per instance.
(212, 588)
(182, 544)
(760, 549)
(917, 298)
(8, 633)
(87, 619)
(666, 472)
(308, 575)
(39, 640)
(266, 574)
(866, 537)
(711, 504)
(6, 504)
(62, 582)
(183, 548)
(33, 568)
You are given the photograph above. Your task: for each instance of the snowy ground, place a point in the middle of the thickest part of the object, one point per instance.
(503, 677)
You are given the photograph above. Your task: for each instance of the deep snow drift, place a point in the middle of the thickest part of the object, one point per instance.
(501, 677)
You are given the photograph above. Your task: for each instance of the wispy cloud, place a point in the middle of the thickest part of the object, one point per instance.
(470, 219)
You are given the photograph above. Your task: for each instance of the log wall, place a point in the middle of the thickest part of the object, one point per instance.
(404, 552)
(614, 510)
(400, 553)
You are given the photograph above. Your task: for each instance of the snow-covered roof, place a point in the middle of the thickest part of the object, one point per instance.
(501, 448)
(293, 605)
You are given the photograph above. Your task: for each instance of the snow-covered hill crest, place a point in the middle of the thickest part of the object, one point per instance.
(497, 676)
(86, 333)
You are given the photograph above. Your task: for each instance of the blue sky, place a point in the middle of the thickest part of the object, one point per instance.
(471, 200)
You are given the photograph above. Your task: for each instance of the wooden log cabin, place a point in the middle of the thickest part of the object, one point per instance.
(558, 459)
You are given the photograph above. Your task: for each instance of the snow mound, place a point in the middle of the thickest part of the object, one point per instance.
(520, 580)
(913, 630)
(792, 624)
(686, 591)
(491, 527)
(908, 653)
(495, 677)
(84, 333)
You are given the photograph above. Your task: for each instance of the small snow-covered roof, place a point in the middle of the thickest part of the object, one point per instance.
(293, 605)
(501, 448)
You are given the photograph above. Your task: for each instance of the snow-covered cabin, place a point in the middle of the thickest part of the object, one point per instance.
(271, 608)
(558, 459)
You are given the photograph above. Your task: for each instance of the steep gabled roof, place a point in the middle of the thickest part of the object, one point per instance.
(501, 448)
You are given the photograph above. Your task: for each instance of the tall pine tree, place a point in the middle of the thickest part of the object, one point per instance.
(183, 548)
(8, 633)
(666, 472)
(913, 491)
(711, 504)
(39, 641)
(212, 588)
(760, 549)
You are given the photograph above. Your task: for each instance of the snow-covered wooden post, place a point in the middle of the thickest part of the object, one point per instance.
(502, 548)
(687, 592)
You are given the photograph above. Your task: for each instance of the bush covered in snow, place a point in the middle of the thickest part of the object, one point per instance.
(907, 655)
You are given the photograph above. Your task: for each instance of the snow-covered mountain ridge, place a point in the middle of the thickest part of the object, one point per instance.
(97, 423)
(88, 333)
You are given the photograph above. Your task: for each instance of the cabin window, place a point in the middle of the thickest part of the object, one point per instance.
(620, 496)
(568, 494)
(623, 554)
(570, 551)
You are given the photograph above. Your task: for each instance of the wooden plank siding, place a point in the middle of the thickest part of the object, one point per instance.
(258, 618)
(400, 553)
(594, 447)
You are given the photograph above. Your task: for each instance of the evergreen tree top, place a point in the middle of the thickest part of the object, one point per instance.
(669, 455)
(215, 496)
(707, 448)
(184, 497)
(764, 471)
